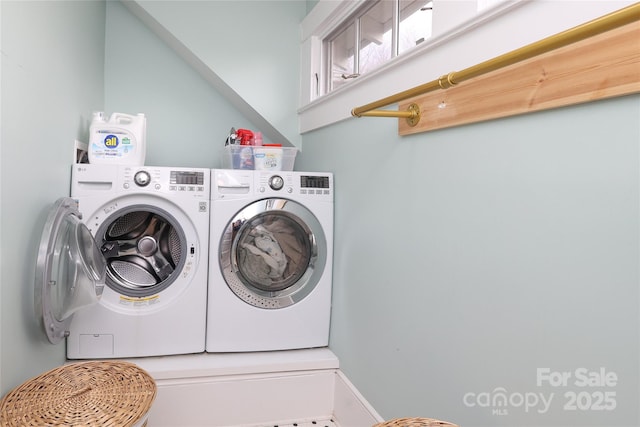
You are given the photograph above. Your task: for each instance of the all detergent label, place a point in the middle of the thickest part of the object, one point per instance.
(119, 140)
(112, 144)
(111, 141)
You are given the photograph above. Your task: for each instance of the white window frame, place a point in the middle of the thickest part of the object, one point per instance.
(326, 16)
(461, 46)
(392, 7)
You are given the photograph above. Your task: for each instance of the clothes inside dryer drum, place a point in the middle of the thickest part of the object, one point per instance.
(143, 250)
(273, 252)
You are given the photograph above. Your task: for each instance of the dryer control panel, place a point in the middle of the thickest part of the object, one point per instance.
(241, 184)
(314, 185)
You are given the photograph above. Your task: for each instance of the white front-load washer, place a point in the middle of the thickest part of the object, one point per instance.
(271, 257)
(150, 227)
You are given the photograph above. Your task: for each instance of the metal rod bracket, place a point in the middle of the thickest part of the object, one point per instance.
(414, 109)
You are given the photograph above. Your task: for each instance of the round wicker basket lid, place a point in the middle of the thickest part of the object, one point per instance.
(96, 393)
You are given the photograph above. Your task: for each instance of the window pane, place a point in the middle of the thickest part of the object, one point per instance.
(342, 56)
(415, 23)
(375, 36)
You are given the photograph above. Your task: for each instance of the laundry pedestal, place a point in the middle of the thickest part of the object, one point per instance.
(261, 389)
(99, 393)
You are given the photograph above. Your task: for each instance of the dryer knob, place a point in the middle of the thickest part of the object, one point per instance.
(142, 178)
(276, 182)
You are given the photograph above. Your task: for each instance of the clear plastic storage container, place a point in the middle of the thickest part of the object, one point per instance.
(259, 157)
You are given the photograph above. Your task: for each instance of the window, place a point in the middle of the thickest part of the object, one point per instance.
(377, 32)
(416, 62)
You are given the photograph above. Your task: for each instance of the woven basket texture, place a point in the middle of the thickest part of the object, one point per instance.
(414, 422)
(84, 394)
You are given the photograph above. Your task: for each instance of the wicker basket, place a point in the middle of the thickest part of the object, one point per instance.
(414, 422)
(99, 393)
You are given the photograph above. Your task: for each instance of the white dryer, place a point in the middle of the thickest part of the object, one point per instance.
(150, 227)
(271, 258)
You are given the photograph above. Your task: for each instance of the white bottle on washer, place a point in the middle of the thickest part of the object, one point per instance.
(119, 139)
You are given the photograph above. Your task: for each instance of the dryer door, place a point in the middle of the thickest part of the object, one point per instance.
(70, 270)
(273, 253)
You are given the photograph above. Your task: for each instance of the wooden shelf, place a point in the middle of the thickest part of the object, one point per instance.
(602, 66)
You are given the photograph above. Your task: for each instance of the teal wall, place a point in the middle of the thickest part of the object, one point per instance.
(467, 258)
(311, 4)
(187, 119)
(250, 48)
(52, 78)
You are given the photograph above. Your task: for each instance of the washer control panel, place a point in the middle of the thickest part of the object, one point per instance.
(88, 179)
(172, 180)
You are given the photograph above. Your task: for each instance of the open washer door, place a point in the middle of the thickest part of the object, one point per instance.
(70, 270)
